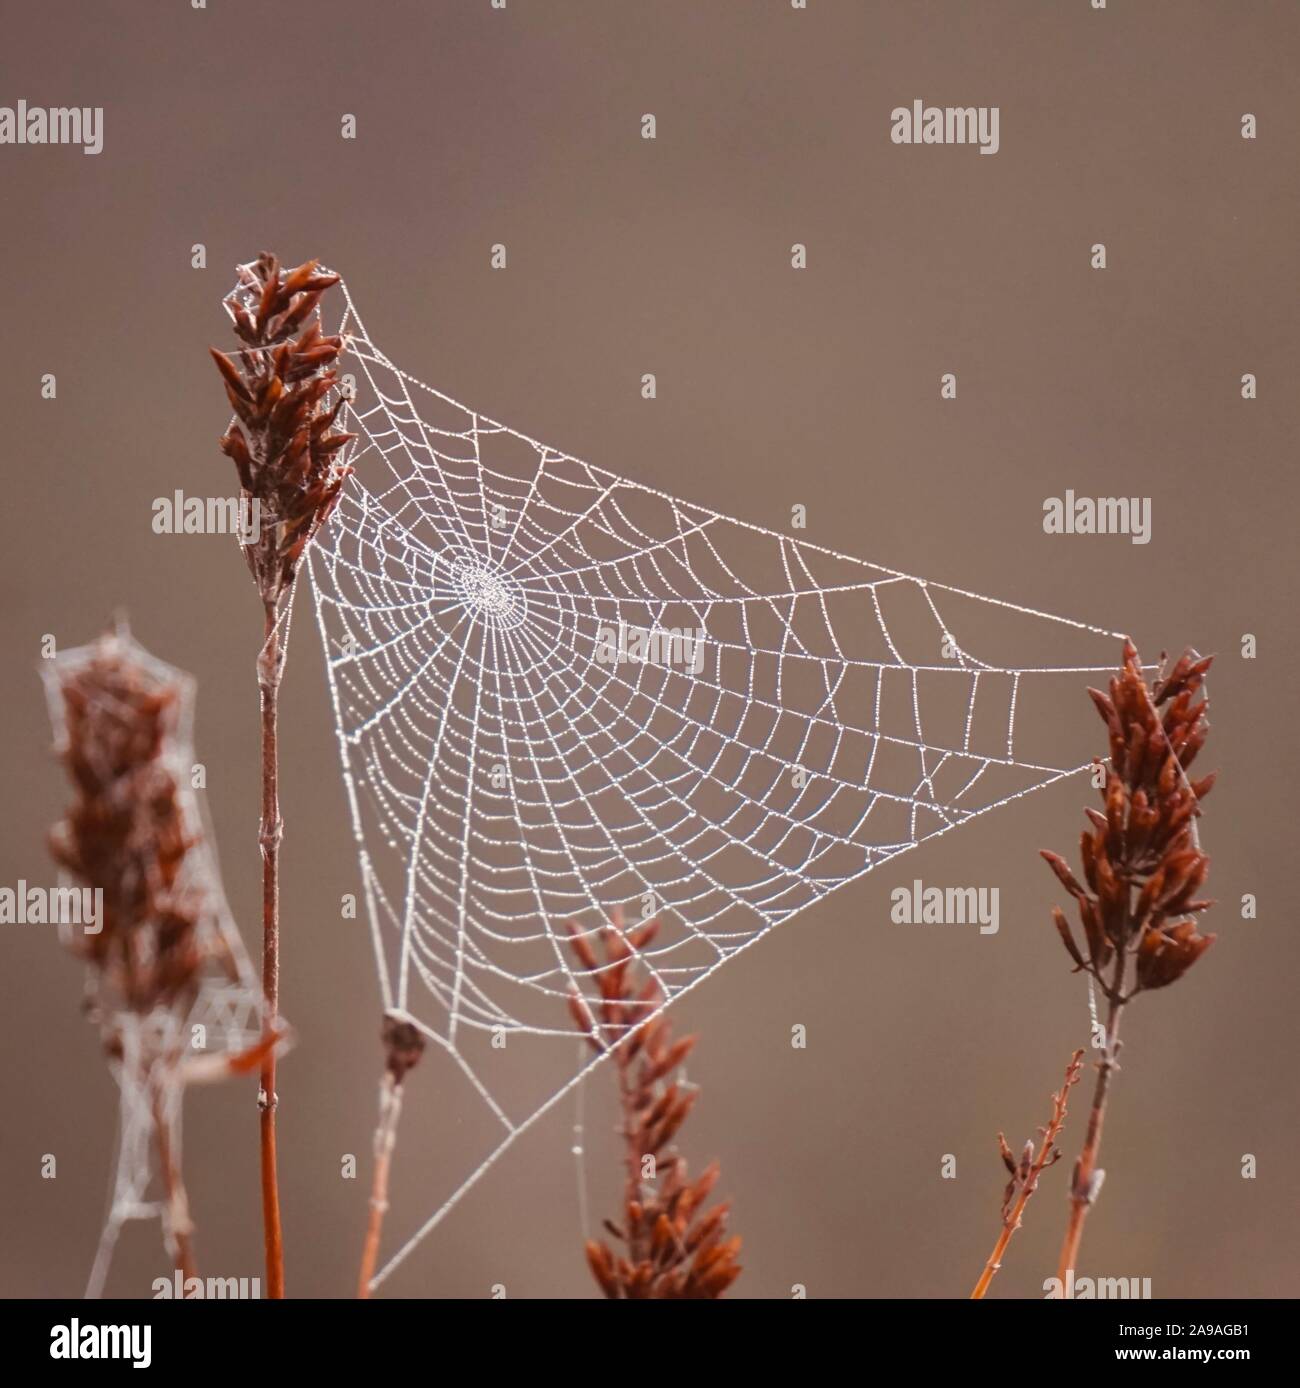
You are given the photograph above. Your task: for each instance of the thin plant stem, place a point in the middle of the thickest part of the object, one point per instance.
(390, 1110)
(177, 1225)
(1085, 1183)
(1046, 1156)
(403, 1047)
(994, 1264)
(270, 663)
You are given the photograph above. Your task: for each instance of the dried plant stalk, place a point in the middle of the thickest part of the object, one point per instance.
(126, 834)
(404, 1046)
(176, 1216)
(675, 1249)
(284, 448)
(1143, 870)
(1025, 1173)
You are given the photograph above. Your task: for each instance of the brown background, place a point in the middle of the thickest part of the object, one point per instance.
(476, 126)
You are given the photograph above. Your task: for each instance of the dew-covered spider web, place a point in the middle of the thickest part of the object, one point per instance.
(204, 1034)
(559, 691)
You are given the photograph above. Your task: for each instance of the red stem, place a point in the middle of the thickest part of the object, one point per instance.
(269, 663)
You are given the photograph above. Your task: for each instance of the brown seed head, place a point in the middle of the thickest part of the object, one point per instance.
(1142, 863)
(282, 440)
(125, 832)
(675, 1248)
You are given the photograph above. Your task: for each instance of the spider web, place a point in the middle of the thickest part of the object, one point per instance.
(798, 718)
(153, 1055)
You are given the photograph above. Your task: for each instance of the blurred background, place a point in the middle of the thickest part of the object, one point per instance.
(775, 387)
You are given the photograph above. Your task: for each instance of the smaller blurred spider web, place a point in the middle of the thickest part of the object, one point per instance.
(215, 1029)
